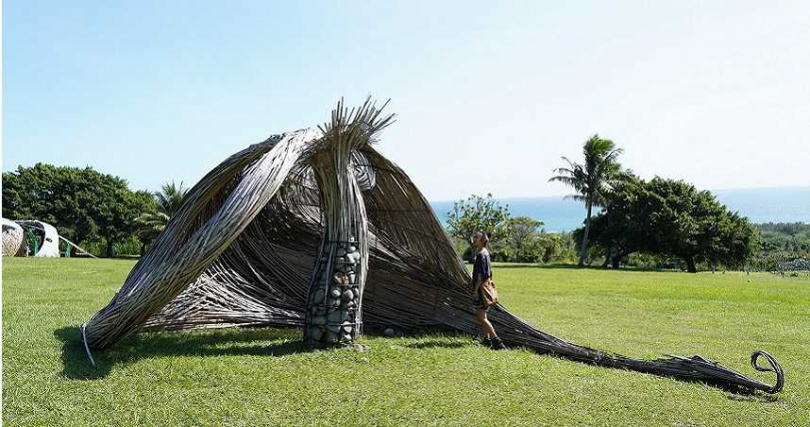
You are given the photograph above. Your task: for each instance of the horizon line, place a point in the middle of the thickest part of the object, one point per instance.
(562, 196)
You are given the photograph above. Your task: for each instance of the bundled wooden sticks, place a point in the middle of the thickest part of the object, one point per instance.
(333, 314)
(316, 229)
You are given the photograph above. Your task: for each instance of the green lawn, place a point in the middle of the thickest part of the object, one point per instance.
(264, 376)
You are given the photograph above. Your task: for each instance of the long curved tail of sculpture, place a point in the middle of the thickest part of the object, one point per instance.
(517, 332)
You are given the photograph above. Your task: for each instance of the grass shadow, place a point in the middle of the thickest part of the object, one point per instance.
(749, 396)
(438, 344)
(254, 342)
(221, 342)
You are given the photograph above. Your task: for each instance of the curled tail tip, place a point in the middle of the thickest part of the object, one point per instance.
(774, 367)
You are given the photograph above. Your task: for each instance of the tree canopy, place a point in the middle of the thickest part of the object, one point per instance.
(673, 218)
(82, 203)
(474, 214)
(164, 204)
(592, 180)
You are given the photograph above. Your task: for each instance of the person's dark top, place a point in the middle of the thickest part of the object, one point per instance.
(482, 268)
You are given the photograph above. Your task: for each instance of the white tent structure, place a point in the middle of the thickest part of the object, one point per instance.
(45, 241)
(49, 248)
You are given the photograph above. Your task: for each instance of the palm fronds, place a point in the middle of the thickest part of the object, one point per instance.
(592, 181)
(148, 225)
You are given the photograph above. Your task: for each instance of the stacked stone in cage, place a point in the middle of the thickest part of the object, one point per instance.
(334, 300)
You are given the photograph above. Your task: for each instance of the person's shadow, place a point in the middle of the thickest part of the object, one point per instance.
(229, 341)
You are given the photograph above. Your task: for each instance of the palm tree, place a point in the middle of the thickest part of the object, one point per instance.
(168, 201)
(609, 199)
(593, 180)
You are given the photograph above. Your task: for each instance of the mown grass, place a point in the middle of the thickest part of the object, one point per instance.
(265, 377)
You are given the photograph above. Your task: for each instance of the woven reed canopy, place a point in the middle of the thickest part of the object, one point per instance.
(13, 236)
(316, 229)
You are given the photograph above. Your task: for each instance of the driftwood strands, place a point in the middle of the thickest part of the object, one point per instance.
(259, 237)
(12, 237)
(333, 312)
(215, 212)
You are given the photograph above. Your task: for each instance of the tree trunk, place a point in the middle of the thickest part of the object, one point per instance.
(690, 264)
(584, 247)
(608, 253)
(617, 259)
(609, 248)
(110, 249)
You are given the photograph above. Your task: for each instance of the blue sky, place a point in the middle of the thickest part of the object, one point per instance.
(489, 94)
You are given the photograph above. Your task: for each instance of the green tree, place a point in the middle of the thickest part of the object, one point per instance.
(623, 228)
(522, 235)
(144, 234)
(592, 180)
(165, 204)
(520, 230)
(477, 213)
(57, 195)
(783, 246)
(555, 247)
(170, 198)
(673, 218)
(114, 211)
(81, 202)
(694, 226)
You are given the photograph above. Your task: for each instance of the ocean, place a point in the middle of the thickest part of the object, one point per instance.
(760, 205)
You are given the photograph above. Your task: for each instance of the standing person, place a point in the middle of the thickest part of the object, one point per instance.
(482, 272)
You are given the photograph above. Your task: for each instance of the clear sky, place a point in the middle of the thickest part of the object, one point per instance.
(489, 94)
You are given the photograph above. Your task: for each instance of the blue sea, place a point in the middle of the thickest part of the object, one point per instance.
(758, 204)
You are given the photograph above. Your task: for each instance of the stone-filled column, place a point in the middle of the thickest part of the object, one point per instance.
(334, 302)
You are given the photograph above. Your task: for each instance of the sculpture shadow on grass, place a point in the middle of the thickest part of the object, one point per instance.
(253, 342)
(435, 343)
(220, 342)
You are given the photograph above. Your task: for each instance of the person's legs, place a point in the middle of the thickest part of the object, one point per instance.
(490, 338)
(481, 316)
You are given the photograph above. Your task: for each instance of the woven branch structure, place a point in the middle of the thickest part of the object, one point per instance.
(12, 237)
(316, 229)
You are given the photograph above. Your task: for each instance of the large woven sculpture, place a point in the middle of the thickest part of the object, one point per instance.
(12, 237)
(315, 229)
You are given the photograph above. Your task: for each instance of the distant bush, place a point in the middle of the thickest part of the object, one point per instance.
(518, 239)
(540, 247)
(129, 246)
(674, 220)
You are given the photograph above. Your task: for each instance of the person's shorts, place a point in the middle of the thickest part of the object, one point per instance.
(478, 303)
